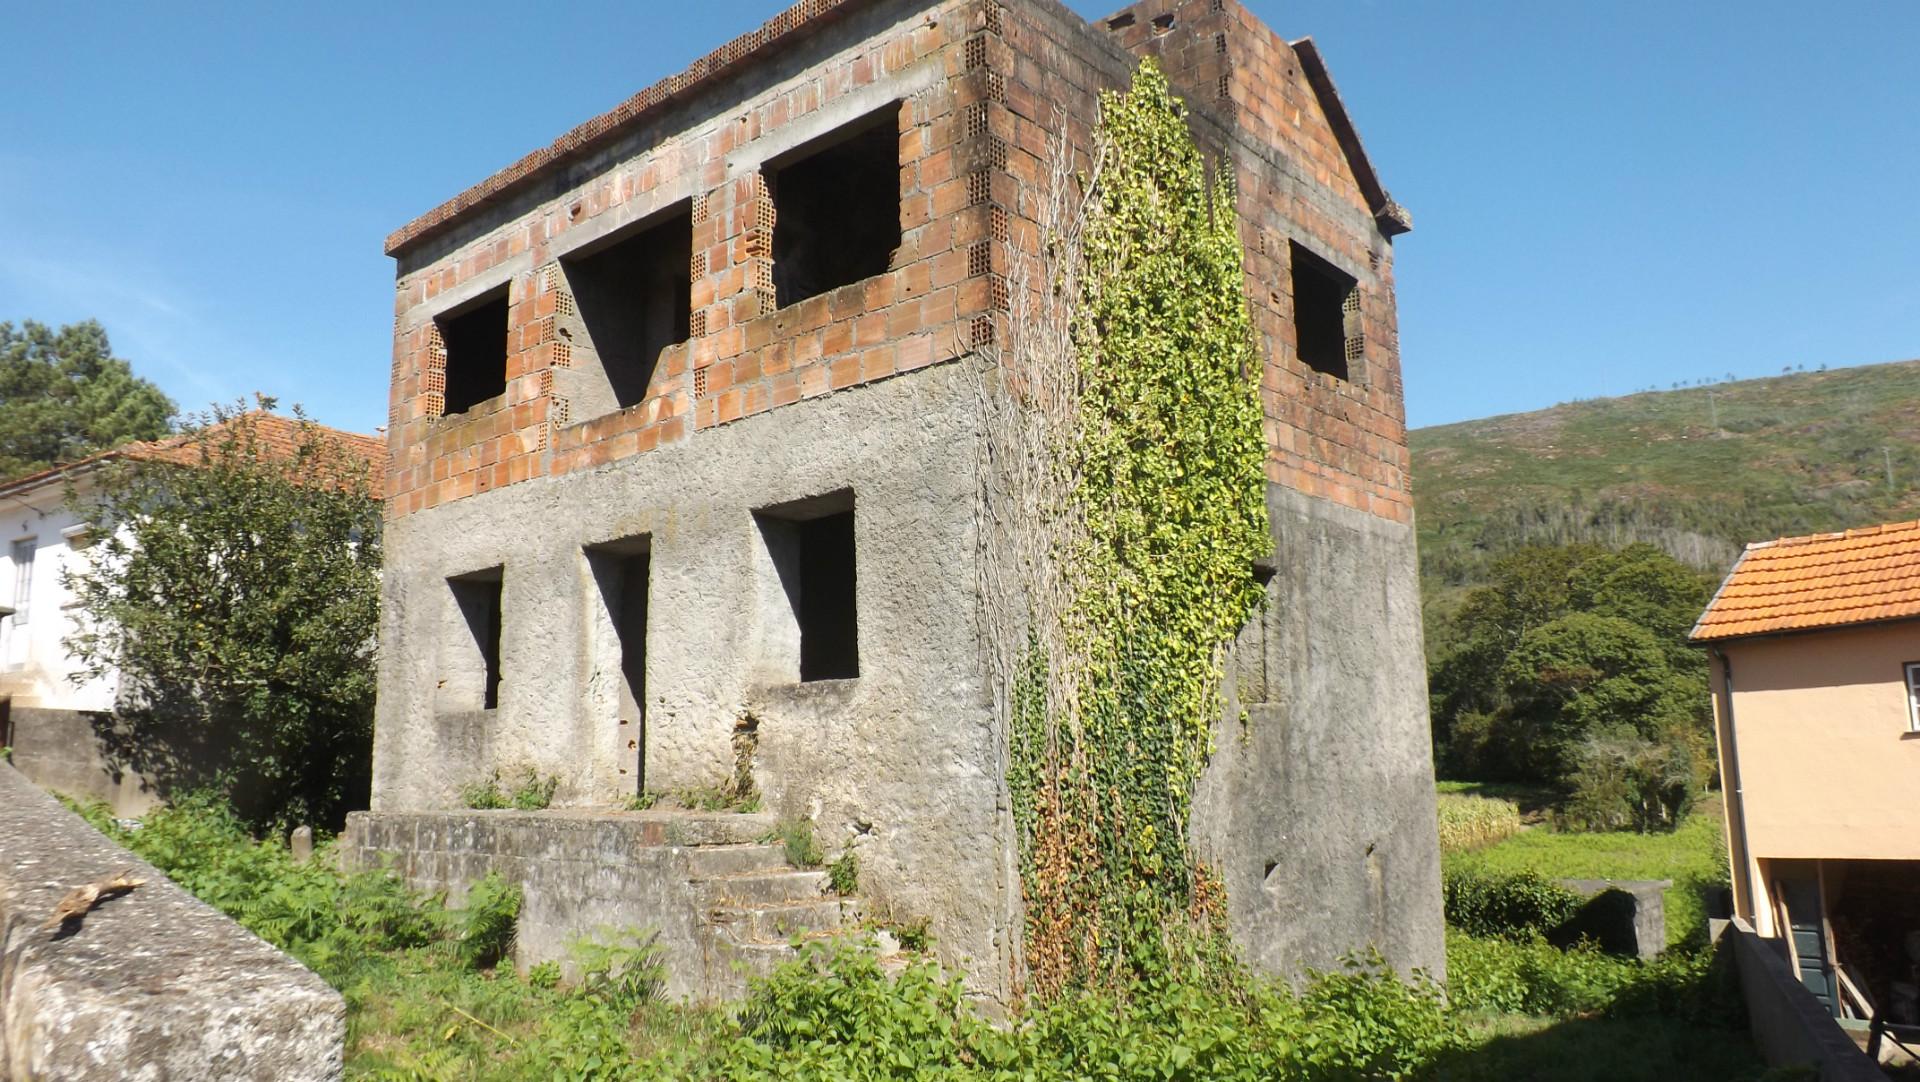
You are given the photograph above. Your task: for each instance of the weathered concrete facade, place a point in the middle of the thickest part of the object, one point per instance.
(719, 469)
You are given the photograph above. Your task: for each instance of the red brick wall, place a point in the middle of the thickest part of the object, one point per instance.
(1344, 440)
(744, 357)
(972, 150)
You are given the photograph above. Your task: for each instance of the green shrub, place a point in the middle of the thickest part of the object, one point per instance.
(796, 837)
(1622, 781)
(1516, 905)
(1470, 821)
(532, 791)
(1532, 977)
(485, 925)
(844, 874)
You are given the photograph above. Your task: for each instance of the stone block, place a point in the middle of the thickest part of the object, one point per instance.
(150, 984)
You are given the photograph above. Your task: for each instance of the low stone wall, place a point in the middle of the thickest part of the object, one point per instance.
(153, 984)
(1788, 1023)
(582, 874)
(1624, 916)
(64, 751)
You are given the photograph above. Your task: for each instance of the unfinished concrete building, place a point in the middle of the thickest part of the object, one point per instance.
(685, 430)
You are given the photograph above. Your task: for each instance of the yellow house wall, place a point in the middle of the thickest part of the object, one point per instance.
(1829, 766)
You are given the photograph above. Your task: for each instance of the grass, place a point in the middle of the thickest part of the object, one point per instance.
(1694, 857)
(1641, 1049)
(427, 999)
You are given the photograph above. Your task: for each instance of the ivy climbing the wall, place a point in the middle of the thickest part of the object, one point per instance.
(1141, 576)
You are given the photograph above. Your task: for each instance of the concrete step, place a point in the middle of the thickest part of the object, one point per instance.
(780, 923)
(763, 888)
(676, 826)
(737, 962)
(716, 861)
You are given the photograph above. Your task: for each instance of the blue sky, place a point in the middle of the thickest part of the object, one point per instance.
(1606, 196)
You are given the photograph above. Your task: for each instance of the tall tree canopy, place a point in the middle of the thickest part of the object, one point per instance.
(1572, 667)
(63, 395)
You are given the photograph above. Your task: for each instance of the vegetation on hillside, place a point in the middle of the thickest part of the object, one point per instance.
(237, 599)
(1698, 472)
(64, 395)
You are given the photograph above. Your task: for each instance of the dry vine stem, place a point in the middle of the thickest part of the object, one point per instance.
(81, 900)
(1029, 524)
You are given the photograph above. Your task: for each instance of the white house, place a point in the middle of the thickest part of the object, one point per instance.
(56, 724)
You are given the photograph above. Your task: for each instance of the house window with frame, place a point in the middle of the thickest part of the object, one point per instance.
(1913, 696)
(23, 551)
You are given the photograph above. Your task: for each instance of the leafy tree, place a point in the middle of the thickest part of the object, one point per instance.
(1571, 667)
(1584, 674)
(236, 594)
(63, 395)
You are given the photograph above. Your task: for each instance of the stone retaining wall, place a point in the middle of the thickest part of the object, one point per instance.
(153, 984)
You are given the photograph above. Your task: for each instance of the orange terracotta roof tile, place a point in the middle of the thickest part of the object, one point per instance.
(278, 437)
(1823, 580)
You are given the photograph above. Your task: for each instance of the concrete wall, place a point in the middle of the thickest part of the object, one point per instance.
(1319, 814)
(1787, 1022)
(72, 752)
(581, 877)
(153, 984)
(900, 760)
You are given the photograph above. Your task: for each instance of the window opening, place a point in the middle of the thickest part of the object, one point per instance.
(1913, 696)
(813, 550)
(478, 596)
(837, 209)
(475, 341)
(1322, 305)
(634, 298)
(23, 551)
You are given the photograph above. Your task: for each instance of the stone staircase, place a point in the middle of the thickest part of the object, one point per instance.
(723, 903)
(756, 904)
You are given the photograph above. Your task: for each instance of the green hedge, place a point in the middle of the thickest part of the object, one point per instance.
(1515, 905)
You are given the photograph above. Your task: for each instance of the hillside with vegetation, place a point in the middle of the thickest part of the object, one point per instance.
(1697, 471)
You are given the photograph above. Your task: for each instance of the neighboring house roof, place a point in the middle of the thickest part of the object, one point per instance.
(1823, 580)
(279, 436)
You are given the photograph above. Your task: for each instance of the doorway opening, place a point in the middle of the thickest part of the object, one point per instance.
(621, 572)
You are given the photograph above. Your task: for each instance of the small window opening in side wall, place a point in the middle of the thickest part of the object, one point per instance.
(474, 337)
(836, 217)
(811, 545)
(1325, 312)
(633, 298)
(1913, 696)
(477, 667)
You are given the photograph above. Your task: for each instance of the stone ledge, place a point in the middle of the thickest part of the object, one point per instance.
(154, 984)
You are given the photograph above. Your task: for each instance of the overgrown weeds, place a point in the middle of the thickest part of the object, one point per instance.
(528, 791)
(797, 838)
(1469, 821)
